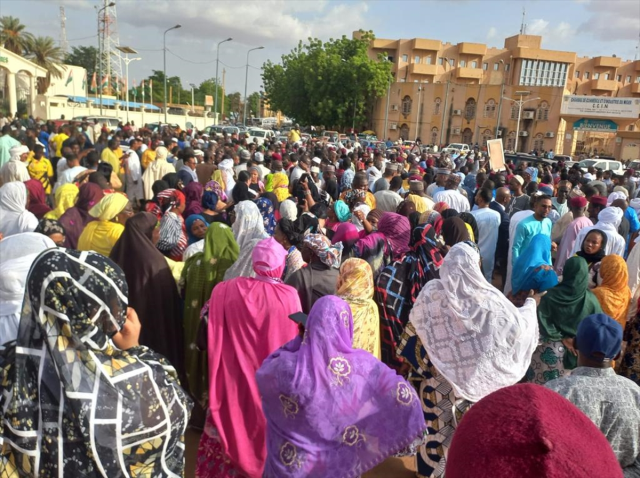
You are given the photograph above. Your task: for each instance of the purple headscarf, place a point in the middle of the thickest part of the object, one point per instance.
(333, 410)
(397, 230)
(193, 194)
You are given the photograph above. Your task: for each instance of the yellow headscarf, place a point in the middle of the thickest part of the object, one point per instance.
(613, 293)
(355, 286)
(418, 202)
(109, 206)
(281, 185)
(219, 178)
(65, 197)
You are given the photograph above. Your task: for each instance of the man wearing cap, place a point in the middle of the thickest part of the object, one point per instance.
(608, 221)
(258, 158)
(611, 401)
(519, 200)
(244, 156)
(451, 196)
(441, 177)
(382, 184)
(578, 208)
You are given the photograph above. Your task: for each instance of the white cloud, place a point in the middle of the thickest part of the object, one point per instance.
(493, 33)
(613, 20)
(552, 35)
(537, 27)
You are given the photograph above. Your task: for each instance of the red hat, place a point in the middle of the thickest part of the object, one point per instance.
(578, 201)
(276, 157)
(598, 201)
(529, 431)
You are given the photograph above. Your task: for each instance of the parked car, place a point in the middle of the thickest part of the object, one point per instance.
(604, 164)
(563, 157)
(457, 148)
(635, 165)
(109, 120)
(258, 135)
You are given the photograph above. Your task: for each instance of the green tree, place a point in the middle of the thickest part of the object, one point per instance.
(44, 52)
(13, 35)
(84, 56)
(323, 83)
(253, 108)
(208, 88)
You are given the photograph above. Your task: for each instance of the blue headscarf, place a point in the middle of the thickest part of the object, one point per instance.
(209, 200)
(266, 210)
(343, 213)
(533, 268)
(533, 172)
(189, 223)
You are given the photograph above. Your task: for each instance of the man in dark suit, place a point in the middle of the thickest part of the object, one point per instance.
(503, 196)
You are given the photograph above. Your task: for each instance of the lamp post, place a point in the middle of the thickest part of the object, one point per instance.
(500, 102)
(520, 102)
(100, 42)
(446, 97)
(128, 50)
(215, 99)
(386, 113)
(193, 102)
(418, 113)
(246, 78)
(164, 52)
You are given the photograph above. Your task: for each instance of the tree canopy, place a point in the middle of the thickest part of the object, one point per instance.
(84, 56)
(322, 83)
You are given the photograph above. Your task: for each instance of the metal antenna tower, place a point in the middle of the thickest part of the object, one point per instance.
(111, 59)
(64, 45)
(523, 25)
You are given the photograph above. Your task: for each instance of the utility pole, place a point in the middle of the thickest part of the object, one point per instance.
(224, 76)
(215, 99)
(164, 53)
(500, 102)
(445, 62)
(520, 102)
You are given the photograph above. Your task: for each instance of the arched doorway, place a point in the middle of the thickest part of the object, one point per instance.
(404, 131)
(434, 135)
(467, 136)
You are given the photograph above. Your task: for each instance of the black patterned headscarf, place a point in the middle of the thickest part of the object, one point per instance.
(76, 403)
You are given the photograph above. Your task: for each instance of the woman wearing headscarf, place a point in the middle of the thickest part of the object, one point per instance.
(211, 210)
(256, 184)
(248, 229)
(37, 198)
(173, 234)
(347, 234)
(289, 237)
(196, 227)
(355, 287)
(314, 391)
(483, 343)
(274, 201)
(156, 171)
(268, 217)
(278, 183)
(111, 213)
(202, 272)
(397, 230)
(65, 198)
(17, 253)
(320, 276)
(152, 289)
(593, 250)
(398, 284)
(241, 193)
(92, 398)
(471, 222)
(234, 440)
(613, 291)
(14, 216)
(533, 270)
(559, 314)
(153, 206)
(53, 230)
(173, 180)
(193, 196)
(454, 230)
(76, 218)
(226, 171)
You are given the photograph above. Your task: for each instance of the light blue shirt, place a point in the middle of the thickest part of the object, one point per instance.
(527, 228)
(6, 143)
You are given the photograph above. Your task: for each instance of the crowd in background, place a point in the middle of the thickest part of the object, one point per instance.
(314, 307)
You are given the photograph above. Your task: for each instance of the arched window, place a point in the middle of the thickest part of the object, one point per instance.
(511, 141)
(490, 109)
(538, 142)
(404, 132)
(514, 112)
(470, 108)
(436, 106)
(467, 136)
(486, 136)
(434, 135)
(543, 111)
(406, 105)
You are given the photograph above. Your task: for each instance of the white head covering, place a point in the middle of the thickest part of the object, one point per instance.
(476, 338)
(14, 170)
(288, 210)
(161, 153)
(18, 151)
(635, 205)
(18, 253)
(615, 195)
(226, 167)
(611, 215)
(248, 230)
(356, 222)
(14, 217)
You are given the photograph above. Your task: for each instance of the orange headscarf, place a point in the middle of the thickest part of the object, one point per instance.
(614, 294)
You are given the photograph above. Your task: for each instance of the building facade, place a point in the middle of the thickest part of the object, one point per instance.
(469, 93)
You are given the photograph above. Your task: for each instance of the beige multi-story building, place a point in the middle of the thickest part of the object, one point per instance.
(469, 93)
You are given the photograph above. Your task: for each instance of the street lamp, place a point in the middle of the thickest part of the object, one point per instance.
(445, 62)
(100, 41)
(386, 113)
(246, 78)
(128, 50)
(418, 113)
(193, 102)
(500, 102)
(215, 100)
(520, 102)
(164, 51)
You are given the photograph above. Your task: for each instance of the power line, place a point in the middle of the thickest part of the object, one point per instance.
(83, 38)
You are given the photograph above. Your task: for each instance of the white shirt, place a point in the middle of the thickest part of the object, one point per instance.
(373, 174)
(488, 222)
(68, 176)
(296, 173)
(454, 199)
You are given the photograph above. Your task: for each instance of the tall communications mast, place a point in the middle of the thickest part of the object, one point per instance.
(64, 45)
(111, 59)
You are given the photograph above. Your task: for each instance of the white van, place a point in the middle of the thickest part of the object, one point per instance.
(604, 164)
(258, 136)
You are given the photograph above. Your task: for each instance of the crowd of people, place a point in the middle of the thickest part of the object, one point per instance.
(312, 308)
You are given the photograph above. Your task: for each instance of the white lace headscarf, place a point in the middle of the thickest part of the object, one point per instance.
(248, 229)
(226, 168)
(476, 338)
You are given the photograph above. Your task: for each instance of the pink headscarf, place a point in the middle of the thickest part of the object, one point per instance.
(346, 232)
(248, 320)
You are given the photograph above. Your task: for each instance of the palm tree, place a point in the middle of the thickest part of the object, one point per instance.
(13, 35)
(44, 52)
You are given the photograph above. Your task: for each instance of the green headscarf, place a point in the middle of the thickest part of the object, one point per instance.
(201, 273)
(564, 306)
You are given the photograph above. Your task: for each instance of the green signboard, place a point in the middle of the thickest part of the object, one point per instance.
(602, 126)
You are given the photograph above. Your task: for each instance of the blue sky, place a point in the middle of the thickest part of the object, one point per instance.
(588, 27)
